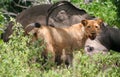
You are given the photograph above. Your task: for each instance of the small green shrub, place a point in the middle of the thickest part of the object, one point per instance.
(2, 22)
(15, 54)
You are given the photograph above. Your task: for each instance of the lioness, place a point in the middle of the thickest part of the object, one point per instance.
(61, 42)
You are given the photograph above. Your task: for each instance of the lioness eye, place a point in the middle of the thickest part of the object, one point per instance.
(88, 26)
(96, 26)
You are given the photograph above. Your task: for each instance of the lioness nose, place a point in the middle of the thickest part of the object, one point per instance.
(93, 33)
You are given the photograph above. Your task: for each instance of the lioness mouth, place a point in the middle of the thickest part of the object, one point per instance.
(93, 36)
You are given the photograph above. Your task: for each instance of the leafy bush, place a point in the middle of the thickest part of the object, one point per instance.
(2, 23)
(2, 20)
(14, 55)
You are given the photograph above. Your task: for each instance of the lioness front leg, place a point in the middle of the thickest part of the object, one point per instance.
(51, 53)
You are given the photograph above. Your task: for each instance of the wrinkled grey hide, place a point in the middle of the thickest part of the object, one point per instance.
(94, 46)
(64, 14)
(34, 14)
(8, 31)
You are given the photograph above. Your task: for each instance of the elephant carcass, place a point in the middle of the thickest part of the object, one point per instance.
(34, 14)
(64, 13)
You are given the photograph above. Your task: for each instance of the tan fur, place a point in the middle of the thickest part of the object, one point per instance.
(62, 41)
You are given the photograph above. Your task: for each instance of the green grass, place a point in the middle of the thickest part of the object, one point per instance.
(17, 59)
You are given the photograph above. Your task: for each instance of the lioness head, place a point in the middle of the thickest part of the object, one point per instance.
(92, 27)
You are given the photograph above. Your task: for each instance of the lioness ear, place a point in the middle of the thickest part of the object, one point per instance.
(99, 21)
(37, 25)
(84, 22)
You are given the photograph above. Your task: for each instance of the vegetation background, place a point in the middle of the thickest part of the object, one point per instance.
(17, 59)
